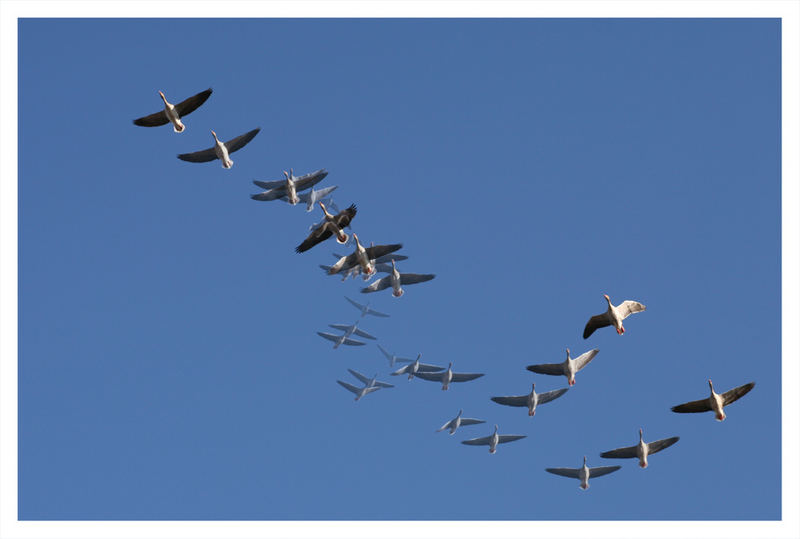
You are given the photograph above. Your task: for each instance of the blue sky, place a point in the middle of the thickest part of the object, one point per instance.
(168, 361)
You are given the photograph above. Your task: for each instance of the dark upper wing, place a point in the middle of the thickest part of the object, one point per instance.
(431, 376)
(343, 218)
(547, 368)
(272, 184)
(239, 142)
(202, 156)
(693, 407)
(505, 438)
(414, 278)
(566, 472)
(521, 400)
(318, 235)
(465, 376)
(272, 194)
(551, 395)
(381, 250)
(310, 179)
(595, 322)
(621, 453)
(602, 470)
(658, 445)
(736, 393)
(485, 440)
(380, 284)
(152, 120)
(188, 105)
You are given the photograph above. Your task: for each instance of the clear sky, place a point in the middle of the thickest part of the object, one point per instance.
(169, 366)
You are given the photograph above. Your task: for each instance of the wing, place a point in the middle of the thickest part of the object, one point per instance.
(363, 379)
(703, 405)
(486, 440)
(505, 438)
(383, 268)
(655, 447)
(152, 120)
(310, 179)
(353, 342)
(190, 104)
(402, 370)
(547, 368)
(239, 142)
(362, 333)
(380, 284)
(378, 251)
(446, 425)
(349, 387)
(471, 421)
(602, 470)
(414, 278)
(565, 472)
(551, 395)
(340, 327)
(329, 336)
(382, 384)
(322, 193)
(272, 194)
(582, 360)
(272, 184)
(318, 235)
(736, 393)
(628, 307)
(344, 263)
(203, 156)
(388, 258)
(425, 367)
(465, 376)
(620, 453)
(596, 322)
(430, 376)
(344, 217)
(521, 400)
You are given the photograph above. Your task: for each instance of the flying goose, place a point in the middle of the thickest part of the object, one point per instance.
(379, 263)
(494, 439)
(173, 113)
(365, 309)
(458, 421)
(613, 316)
(715, 401)
(220, 150)
(313, 196)
(370, 384)
(396, 279)
(584, 472)
(448, 376)
(568, 368)
(345, 337)
(289, 186)
(531, 400)
(640, 450)
(333, 224)
(363, 257)
(416, 367)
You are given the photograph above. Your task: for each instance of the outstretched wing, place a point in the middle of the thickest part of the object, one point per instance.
(152, 120)
(239, 142)
(318, 235)
(310, 179)
(380, 284)
(486, 440)
(203, 156)
(736, 393)
(344, 217)
(620, 453)
(693, 407)
(565, 472)
(505, 438)
(602, 470)
(596, 322)
(430, 376)
(388, 258)
(445, 426)
(658, 445)
(363, 379)
(551, 395)
(378, 251)
(349, 387)
(271, 184)
(362, 333)
(520, 400)
(547, 368)
(190, 104)
(582, 360)
(471, 421)
(414, 278)
(465, 376)
(628, 307)
(271, 194)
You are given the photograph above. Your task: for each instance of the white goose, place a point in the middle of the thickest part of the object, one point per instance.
(370, 384)
(613, 316)
(531, 400)
(494, 439)
(363, 257)
(448, 376)
(457, 421)
(365, 310)
(395, 279)
(416, 367)
(640, 450)
(715, 402)
(568, 368)
(173, 113)
(220, 150)
(583, 473)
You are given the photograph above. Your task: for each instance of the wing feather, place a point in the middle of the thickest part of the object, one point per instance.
(736, 393)
(190, 104)
(658, 445)
(380, 284)
(565, 472)
(152, 120)
(519, 400)
(547, 368)
(505, 438)
(378, 251)
(465, 376)
(693, 407)
(203, 156)
(628, 307)
(582, 360)
(239, 142)
(414, 278)
(596, 322)
(620, 453)
(551, 395)
(602, 470)
(486, 440)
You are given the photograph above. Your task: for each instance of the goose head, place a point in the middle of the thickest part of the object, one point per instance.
(584, 461)
(460, 412)
(162, 96)
(358, 243)
(286, 175)
(495, 429)
(710, 385)
(640, 434)
(214, 135)
(324, 209)
(568, 354)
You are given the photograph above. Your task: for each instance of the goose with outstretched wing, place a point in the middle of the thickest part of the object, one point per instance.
(447, 377)
(220, 150)
(494, 440)
(715, 402)
(613, 316)
(333, 224)
(584, 472)
(173, 113)
(531, 400)
(640, 450)
(567, 368)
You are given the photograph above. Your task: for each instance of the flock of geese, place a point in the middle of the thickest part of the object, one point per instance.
(369, 261)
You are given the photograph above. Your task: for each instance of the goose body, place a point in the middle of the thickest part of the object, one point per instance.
(458, 421)
(583, 473)
(716, 402)
(531, 400)
(640, 450)
(448, 376)
(363, 257)
(221, 150)
(396, 279)
(173, 113)
(567, 368)
(494, 439)
(613, 316)
(332, 225)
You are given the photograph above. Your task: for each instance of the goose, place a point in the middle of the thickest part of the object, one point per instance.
(370, 384)
(393, 358)
(458, 421)
(395, 280)
(379, 263)
(289, 186)
(448, 376)
(173, 113)
(715, 402)
(365, 309)
(416, 367)
(333, 224)
(345, 337)
(568, 368)
(640, 450)
(584, 472)
(220, 150)
(531, 400)
(363, 257)
(313, 196)
(613, 316)
(493, 440)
